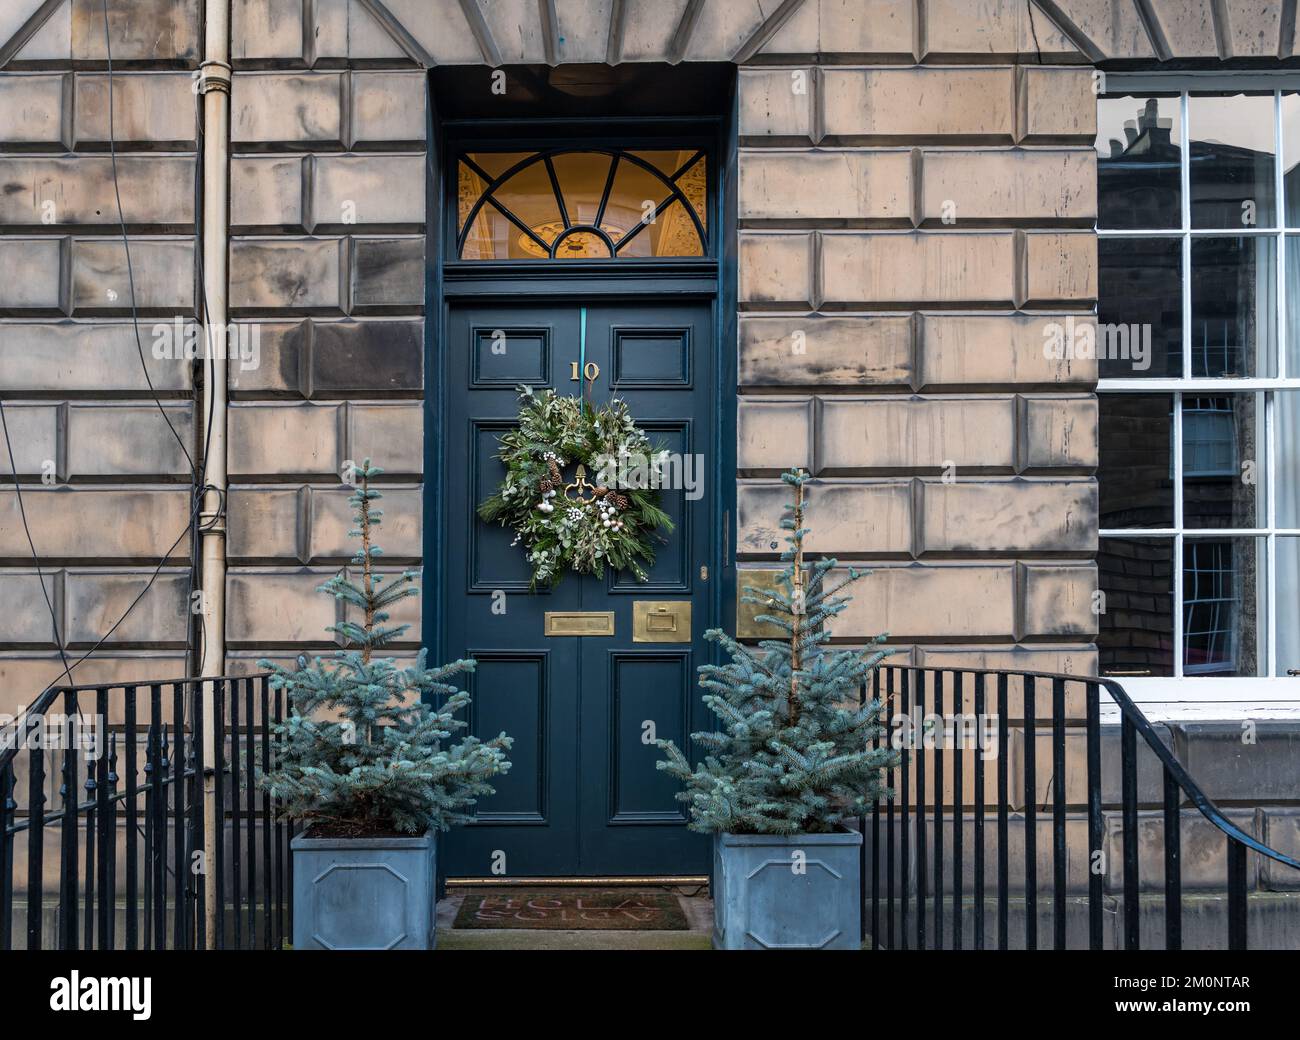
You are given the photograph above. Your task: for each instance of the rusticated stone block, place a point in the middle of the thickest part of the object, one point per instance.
(1060, 267)
(293, 109)
(138, 30)
(884, 106)
(774, 433)
(1068, 660)
(895, 270)
(1057, 600)
(281, 349)
(367, 189)
(1254, 28)
(1057, 104)
(1114, 27)
(404, 612)
(1009, 186)
(1009, 516)
(376, 356)
(1203, 865)
(822, 350)
(31, 275)
(29, 623)
(834, 189)
(776, 270)
(24, 675)
(266, 30)
(967, 350)
(387, 108)
(1234, 762)
(265, 524)
(329, 520)
(852, 517)
(149, 108)
(1280, 831)
(915, 434)
(162, 271)
(32, 111)
(777, 104)
(34, 439)
(112, 440)
(128, 524)
(278, 607)
(302, 275)
(281, 440)
(943, 601)
(387, 275)
(96, 600)
(1188, 27)
(392, 435)
(866, 30)
(157, 192)
(989, 30)
(266, 193)
(721, 29)
(1059, 433)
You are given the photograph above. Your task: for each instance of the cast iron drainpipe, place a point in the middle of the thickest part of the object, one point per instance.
(214, 84)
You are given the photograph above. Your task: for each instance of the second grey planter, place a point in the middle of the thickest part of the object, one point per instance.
(787, 892)
(363, 893)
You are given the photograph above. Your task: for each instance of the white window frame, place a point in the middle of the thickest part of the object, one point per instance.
(1182, 695)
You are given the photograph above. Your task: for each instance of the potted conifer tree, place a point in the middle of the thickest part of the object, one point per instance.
(795, 757)
(365, 760)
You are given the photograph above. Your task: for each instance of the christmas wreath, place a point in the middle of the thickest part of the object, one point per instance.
(572, 524)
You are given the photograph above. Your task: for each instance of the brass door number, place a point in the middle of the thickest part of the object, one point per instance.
(661, 621)
(590, 371)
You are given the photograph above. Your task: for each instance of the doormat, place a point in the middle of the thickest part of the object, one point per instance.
(571, 909)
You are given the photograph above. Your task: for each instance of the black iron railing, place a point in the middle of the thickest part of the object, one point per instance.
(104, 838)
(919, 892)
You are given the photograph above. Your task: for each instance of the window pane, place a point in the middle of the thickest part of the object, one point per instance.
(1291, 157)
(1292, 288)
(1135, 475)
(1287, 597)
(1140, 308)
(1286, 443)
(1221, 584)
(1232, 152)
(1234, 306)
(1222, 474)
(1136, 630)
(1138, 143)
(694, 184)
(670, 233)
(582, 177)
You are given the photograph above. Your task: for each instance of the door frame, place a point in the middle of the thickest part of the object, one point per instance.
(714, 278)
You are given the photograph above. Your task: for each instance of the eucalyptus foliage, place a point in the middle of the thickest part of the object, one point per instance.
(364, 749)
(797, 750)
(565, 525)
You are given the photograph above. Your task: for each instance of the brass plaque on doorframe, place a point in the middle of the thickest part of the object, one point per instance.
(579, 623)
(661, 621)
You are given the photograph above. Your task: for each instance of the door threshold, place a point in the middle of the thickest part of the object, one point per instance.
(606, 882)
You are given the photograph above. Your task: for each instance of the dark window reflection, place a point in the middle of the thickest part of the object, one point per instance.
(1221, 477)
(1138, 163)
(1135, 475)
(1219, 623)
(1234, 308)
(1136, 631)
(1140, 308)
(1231, 158)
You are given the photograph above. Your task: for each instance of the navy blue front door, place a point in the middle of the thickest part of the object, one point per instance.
(584, 797)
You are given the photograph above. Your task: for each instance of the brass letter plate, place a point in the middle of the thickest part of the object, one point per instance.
(579, 623)
(661, 621)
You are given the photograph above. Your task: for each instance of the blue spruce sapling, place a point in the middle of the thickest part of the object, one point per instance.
(797, 752)
(366, 748)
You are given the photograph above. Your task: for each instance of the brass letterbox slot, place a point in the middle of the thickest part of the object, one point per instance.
(661, 621)
(579, 623)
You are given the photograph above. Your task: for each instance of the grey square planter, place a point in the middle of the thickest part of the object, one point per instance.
(787, 892)
(363, 893)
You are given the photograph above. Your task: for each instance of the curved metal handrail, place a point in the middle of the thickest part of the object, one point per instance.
(1133, 714)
